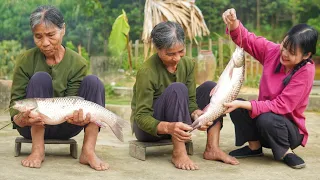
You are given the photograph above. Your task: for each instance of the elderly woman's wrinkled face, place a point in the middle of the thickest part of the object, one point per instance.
(48, 38)
(171, 56)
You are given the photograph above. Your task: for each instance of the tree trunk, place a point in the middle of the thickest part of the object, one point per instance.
(294, 19)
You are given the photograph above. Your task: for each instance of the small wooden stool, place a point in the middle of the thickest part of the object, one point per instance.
(72, 142)
(137, 149)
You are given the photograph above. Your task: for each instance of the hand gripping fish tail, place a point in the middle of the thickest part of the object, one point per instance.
(226, 90)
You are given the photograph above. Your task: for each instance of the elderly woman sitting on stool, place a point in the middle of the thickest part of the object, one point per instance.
(166, 100)
(52, 70)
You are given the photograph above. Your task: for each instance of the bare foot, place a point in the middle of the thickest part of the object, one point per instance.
(90, 158)
(182, 161)
(219, 155)
(34, 160)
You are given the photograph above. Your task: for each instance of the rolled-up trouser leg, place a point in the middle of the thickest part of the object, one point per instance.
(245, 127)
(171, 106)
(203, 98)
(278, 133)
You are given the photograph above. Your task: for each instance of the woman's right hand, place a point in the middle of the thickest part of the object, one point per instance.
(230, 18)
(28, 119)
(177, 130)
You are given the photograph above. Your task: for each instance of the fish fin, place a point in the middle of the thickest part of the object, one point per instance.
(48, 120)
(212, 91)
(76, 97)
(117, 127)
(117, 130)
(206, 108)
(230, 73)
(100, 124)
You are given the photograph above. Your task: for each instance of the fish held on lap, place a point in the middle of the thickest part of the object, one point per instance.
(54, 110)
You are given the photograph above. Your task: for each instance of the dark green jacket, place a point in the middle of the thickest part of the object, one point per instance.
(152, 79)
(66, 76)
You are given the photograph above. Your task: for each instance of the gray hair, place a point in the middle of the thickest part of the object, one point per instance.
(167, 34)
(48, 15)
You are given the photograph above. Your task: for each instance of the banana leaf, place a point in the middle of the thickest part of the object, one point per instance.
(118, 38)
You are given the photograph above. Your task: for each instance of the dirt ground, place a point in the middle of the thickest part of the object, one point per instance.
(60, 165)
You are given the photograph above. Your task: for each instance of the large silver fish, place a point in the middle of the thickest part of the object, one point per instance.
(54, 110)
(226, 90)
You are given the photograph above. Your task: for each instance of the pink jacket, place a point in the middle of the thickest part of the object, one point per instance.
(291, 100)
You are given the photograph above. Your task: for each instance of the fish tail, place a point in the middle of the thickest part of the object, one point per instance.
(117, 130)
(196, 124)
(122, 123)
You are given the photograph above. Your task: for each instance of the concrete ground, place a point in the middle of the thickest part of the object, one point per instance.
(59, 165)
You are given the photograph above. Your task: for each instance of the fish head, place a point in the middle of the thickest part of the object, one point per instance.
(25, 105)
(238, 57)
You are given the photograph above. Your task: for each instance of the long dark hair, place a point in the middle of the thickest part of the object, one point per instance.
(300, 36)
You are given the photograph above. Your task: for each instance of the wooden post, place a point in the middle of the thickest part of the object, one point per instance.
(146, 47)
(257, 67)
(246, 72)
(79, 49)
(136, 52)
(129, 52)
(231, 46)
(189, 49)
(210, 44)
(199, 47)
(251, 67)
(105, 47)
(220, 50)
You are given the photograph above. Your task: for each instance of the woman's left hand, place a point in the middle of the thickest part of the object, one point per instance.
(77, 118)
(237, 104)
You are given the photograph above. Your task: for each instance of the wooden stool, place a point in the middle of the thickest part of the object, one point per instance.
(137, 149)
(72, 142)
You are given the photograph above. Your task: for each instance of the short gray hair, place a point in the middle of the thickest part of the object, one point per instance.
(167, 34)
(48, 15)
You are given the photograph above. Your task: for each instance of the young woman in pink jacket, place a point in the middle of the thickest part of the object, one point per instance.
(276, 120)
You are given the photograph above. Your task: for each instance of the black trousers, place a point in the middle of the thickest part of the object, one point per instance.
(40, 86)
(272, 130)
(173, 106)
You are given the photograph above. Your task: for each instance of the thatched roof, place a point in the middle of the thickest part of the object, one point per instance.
(185, 12)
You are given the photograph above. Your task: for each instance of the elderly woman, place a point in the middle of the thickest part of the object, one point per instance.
(166, 101)
(52, 70)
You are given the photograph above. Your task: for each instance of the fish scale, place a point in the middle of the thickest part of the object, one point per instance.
(226, 90)
(54, 111)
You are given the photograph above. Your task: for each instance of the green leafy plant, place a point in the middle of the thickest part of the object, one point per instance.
(9, 50)
(119, 37)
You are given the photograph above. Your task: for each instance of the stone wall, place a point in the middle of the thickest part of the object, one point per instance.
(5, 87)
